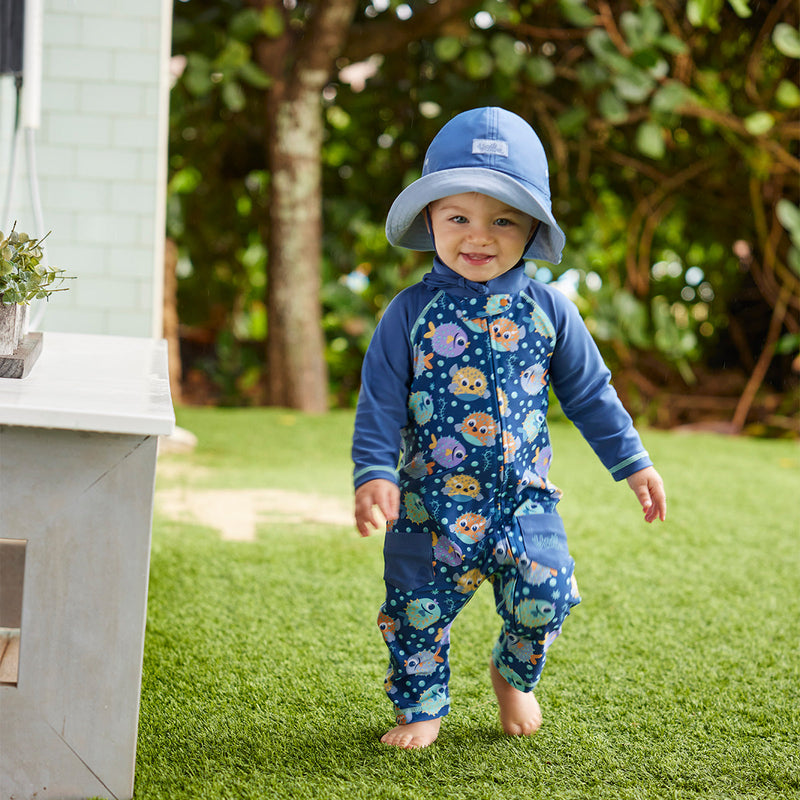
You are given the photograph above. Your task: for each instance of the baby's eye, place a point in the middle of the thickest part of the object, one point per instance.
(458, 219)
(503, 222)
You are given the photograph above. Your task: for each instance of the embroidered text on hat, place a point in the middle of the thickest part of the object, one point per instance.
(495, 147)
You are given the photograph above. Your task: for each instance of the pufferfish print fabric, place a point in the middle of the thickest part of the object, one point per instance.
(476, 447)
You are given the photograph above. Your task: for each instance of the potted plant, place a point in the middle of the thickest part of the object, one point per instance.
(22, 278)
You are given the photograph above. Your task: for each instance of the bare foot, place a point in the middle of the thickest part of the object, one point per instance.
(520, 714)
(413, 735)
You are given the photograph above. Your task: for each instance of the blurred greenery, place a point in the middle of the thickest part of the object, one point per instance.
(672, 130)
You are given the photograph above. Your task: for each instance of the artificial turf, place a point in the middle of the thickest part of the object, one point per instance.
(677, 677)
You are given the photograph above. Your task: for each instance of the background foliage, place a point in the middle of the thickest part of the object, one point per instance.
(672, 129)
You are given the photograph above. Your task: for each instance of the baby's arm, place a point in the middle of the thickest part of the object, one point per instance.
(649, 488)
(378, 492)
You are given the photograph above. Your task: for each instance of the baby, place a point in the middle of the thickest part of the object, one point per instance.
(451, 441)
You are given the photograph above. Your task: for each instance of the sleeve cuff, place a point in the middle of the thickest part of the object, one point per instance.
(371, 473)
(630, 465)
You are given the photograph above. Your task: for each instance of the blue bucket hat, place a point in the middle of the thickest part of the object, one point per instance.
(486, 150)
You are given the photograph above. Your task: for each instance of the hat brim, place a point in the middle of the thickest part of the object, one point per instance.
(405, 223)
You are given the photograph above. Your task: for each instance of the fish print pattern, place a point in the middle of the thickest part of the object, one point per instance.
(474, 467)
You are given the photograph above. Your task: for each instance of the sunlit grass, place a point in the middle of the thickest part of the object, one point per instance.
(678, 676)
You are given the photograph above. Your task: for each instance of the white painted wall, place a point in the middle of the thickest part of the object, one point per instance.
(101, 162)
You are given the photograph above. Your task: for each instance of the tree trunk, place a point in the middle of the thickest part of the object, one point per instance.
(297, 373)
(300, 67)
(171, 321)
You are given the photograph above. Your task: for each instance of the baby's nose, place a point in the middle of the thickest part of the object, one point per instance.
(480, 234)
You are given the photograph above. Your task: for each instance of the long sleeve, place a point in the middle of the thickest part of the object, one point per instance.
(382, 410)
(581, 382)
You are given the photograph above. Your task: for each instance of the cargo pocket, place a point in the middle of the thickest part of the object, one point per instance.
(408, 559)
(545, 541)
(549, 561)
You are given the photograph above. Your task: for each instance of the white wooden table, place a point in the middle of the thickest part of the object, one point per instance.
(78, 445)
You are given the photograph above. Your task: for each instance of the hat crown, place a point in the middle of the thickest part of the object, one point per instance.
(490, 138)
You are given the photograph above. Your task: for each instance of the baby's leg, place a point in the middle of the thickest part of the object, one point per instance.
(533, 605)
(520, 714)
(416, 628)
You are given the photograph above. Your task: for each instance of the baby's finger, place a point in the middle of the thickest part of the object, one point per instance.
(364, 517)
(390, 505)
(659, 508)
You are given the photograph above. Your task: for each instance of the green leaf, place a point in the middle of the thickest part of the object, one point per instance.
(197, 76)
(650, 140)
(591, 74)
(741, 7)
(672, 44)
(793, 259)
(788, 94)
(632, 28)
(255, 76)
(605, 51)
(715, 91)
(447, 48)
(651, 21)
(540, 70)
(635, 86)
(787, 39)
(789, 216)
(759, 123)
(704, 13)
(232, 56)
(478, 64)
(572, 122)
(577, 13)
(245, 25)
(338, 118)
(612, 107)
(632, 317)
(648, 58)
(789, 343)
(272, 22)
(185, 180)
(669, 98)
(509, 60)
(233, 96)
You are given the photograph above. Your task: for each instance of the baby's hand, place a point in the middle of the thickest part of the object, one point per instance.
(649, 488)
(381, 493)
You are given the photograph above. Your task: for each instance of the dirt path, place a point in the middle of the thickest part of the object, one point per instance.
(236, 513)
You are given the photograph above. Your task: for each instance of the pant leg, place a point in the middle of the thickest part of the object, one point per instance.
(534, 591)
(425, 590)
(416, 628)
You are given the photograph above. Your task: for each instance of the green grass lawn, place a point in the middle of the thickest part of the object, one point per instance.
(677, 677)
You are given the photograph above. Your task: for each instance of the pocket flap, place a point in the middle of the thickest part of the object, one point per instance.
(408, 559)
(545, 538)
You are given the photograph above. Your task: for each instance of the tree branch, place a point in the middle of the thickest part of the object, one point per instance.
(762, 365)
(756, 54)
(387, 35)
(548, 34)
(609, 23)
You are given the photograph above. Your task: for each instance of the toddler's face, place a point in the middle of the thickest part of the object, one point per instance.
(477, 236)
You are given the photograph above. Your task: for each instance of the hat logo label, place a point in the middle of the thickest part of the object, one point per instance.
(495, 147)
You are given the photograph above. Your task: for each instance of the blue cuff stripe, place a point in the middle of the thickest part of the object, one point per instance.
(627, 461)
(365, 470)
